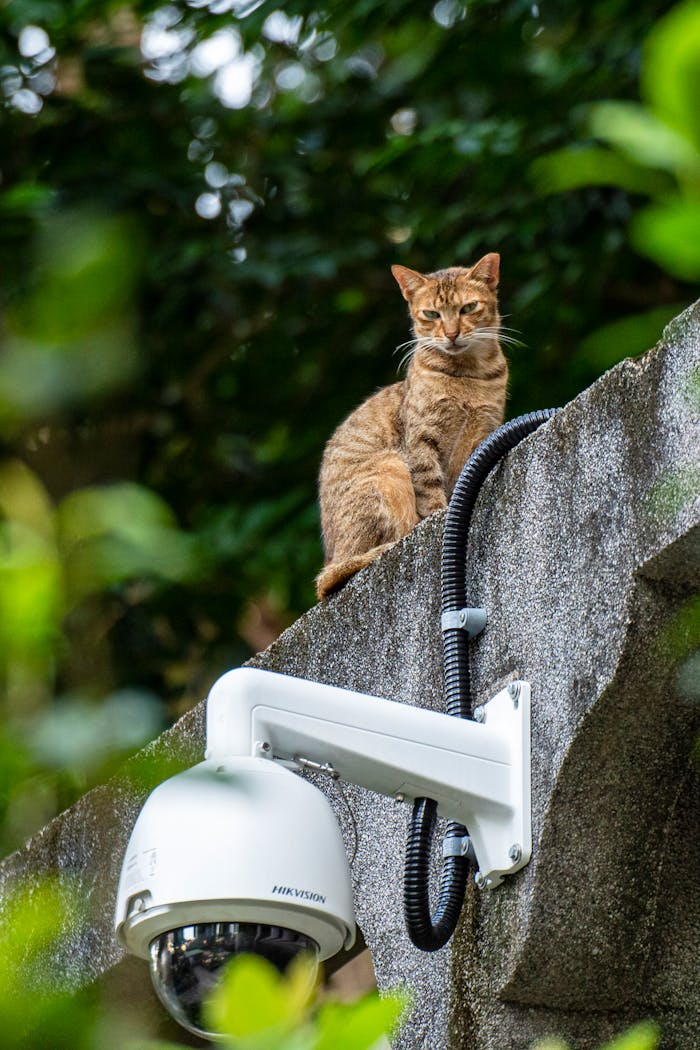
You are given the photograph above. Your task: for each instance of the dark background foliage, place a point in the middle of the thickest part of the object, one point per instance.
(202, 292)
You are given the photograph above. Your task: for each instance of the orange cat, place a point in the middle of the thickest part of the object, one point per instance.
(396, 458)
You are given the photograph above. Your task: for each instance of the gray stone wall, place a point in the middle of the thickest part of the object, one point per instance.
(584, 549)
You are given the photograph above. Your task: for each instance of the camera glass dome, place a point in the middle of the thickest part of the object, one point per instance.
(185, 963)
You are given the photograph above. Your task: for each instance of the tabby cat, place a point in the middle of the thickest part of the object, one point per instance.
(396, 458)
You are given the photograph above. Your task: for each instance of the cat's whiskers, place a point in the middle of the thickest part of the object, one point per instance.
(478, 338)
(500, 328)
(501, 333)
(419, 343)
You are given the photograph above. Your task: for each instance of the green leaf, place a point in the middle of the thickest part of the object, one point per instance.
(643, 138)
(358, 1026)
(254, 1000)
(644, 1036)
(633, 335)
(669, 233)
(671, 69)
(26, 197)
(31, 593)
(118, 532)
(573, 168)
(24, 499)
(126, 509)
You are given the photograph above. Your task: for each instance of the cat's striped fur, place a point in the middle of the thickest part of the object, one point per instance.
(396, 458)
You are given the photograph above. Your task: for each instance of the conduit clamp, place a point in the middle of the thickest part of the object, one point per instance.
(472, 621)
(459, 846)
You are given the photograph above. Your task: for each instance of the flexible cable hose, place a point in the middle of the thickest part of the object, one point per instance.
(432, 931)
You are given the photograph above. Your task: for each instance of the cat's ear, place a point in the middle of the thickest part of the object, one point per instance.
(409, 281)
(487, 269)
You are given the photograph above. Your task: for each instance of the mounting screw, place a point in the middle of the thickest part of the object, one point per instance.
(263, 747)
(138, 905)
(515, 852)
(514, 692)
(479, 714)
(399, 797)
(480, 881)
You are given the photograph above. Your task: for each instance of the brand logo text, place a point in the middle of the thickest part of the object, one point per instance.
(304, 895)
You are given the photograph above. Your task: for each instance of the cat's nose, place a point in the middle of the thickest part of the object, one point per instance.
(452, 336)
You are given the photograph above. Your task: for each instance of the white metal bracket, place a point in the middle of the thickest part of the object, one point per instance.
(478, 771)
(508, 713)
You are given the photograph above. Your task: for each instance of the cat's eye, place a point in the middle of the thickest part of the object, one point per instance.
(432, 315)
(469, 308)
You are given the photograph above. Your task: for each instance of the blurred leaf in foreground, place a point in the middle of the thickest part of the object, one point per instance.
(256, 1008)
(643, 1036)
(37, 1008)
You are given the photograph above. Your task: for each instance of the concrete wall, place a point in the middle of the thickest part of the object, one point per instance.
(585, 547)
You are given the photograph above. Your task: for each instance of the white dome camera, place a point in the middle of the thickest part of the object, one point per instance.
(234, 855)
(239, 854)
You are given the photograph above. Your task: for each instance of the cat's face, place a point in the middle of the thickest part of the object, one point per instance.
(453, 310)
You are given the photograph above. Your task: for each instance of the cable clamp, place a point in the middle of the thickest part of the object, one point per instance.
(472, 621)
(458, 846)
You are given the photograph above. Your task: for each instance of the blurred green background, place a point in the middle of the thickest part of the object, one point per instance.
(199, 205)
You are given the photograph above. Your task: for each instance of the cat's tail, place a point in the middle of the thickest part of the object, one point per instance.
(332, 577)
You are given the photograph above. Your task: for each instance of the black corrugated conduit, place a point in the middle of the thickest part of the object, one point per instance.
(431, 931)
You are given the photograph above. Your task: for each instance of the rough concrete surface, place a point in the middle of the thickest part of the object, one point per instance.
(584, 549)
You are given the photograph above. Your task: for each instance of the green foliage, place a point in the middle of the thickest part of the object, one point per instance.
(52, 558)
(652, 148)
(256, 1008)
(36, 1008)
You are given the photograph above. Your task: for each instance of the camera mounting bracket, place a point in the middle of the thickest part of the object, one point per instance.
(478, 771)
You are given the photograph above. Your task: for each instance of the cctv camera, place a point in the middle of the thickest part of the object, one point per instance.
(235, 855)
(239, 854)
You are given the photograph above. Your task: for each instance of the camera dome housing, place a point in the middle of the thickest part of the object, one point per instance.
(185, 963)
(236, 841)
